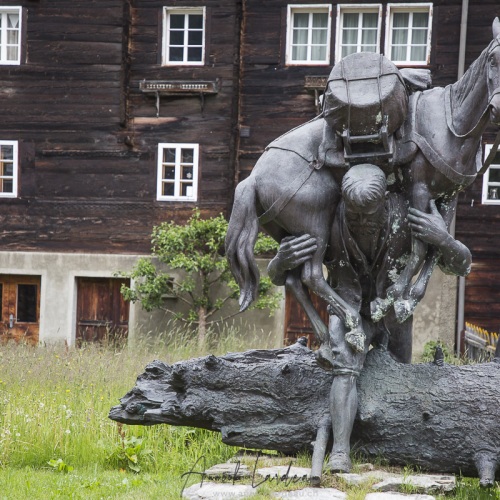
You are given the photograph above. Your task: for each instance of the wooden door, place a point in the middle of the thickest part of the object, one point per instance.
(102, 314)
(20, 308)
(297, 323)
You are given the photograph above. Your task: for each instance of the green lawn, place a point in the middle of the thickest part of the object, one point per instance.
(57, 442)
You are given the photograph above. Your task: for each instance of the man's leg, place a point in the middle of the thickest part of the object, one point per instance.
(344, 394)
(343, 408)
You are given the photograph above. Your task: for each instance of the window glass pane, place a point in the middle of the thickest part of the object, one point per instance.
(418, 53)
(168, 189)
(299, 37)
(12, 37)
(194, 54)
(400, 20)
(400, 37)
(351, 20)
(26, 303)
(320, 20)
(348, 50)
(420, 19)
(195, 38)
(7, 152)
(177, 38)
(494, 175)
(177, 21)
(7, 169)
(7, 186)
(169, 173)
(186, 189)
(319, 37)
(299, 53)
(369, 37)
(176, 54)
(195, 21)
(187, 155)
(349, 37)
(370, 20)
(398, 54)
(300, 20)
(13, 21)
(169, 155)
(187, 173)
(318, 53)
(419, 37)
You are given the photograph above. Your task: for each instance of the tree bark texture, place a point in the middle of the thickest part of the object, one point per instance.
(441, 418)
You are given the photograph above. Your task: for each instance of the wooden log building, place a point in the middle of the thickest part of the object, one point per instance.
(119, 114)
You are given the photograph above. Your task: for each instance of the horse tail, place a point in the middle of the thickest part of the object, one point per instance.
(241, 236)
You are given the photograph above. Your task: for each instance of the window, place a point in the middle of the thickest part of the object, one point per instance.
(8, 169)
(177, 172)
(408, 33)
(358, 29)
(491, 179)
(183, 36)
(10, 35)
(308, 37)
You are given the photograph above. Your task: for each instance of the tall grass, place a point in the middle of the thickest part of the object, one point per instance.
(54, 405)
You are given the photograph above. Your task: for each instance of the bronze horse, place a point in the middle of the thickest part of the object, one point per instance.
(441, 160)
(289, 195)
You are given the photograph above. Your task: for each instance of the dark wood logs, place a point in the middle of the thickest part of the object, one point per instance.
(441, 418)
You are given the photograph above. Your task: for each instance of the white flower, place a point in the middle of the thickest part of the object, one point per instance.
(68, 431)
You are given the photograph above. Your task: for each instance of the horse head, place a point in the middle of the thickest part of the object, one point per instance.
(494, 75)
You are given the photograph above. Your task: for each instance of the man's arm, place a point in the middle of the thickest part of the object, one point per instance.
(431, 228)
(293, 252)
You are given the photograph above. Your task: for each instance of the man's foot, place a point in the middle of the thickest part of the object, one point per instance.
(339, 462)
(324, 357)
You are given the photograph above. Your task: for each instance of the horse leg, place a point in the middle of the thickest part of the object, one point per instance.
(398, 293)
(312, 277)
(417, 291)
(295, 286)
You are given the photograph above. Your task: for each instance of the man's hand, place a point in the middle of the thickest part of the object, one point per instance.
(293, 252)
(429, 228)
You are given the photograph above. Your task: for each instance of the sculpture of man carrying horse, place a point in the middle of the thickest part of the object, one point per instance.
(428, 145)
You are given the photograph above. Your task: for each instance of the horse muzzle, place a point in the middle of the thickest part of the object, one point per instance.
(495, 109)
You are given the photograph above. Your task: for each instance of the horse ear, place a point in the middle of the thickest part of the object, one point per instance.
(496, 27)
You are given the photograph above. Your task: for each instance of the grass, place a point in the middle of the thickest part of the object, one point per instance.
(57, 442)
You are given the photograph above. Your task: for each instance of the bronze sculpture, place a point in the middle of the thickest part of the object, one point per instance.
(428, 165)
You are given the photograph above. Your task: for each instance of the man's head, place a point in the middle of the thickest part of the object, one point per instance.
(364, 191)
(364, 185)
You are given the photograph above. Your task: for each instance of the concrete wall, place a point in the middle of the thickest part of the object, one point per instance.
(58, 294)
(434, 318)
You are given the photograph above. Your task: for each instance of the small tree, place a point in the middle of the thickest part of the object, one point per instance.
(197, 249)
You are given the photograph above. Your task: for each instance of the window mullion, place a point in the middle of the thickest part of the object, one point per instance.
(360, 31)
(177, 175)
(309, 37)
(3, 40)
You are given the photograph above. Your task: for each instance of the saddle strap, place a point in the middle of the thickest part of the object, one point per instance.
(282, 201)
(491, 156)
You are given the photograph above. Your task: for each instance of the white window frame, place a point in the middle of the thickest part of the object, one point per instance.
(4, 11)
(177, 180)
(167, 11)
(365, 8)
(410, 8)
(307, 9)
(15, 169)
(487, 185)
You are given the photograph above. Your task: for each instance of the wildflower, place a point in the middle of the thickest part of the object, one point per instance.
(68, 390)
(67, 431)
(69, 414)
(17, 434)
(42, 405)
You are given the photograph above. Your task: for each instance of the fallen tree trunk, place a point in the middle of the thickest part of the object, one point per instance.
(441, 418)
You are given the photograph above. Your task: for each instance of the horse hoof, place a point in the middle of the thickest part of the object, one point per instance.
(379, 308)
(404, 309)
(339, 462)
(356, 339)
(324, 357)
